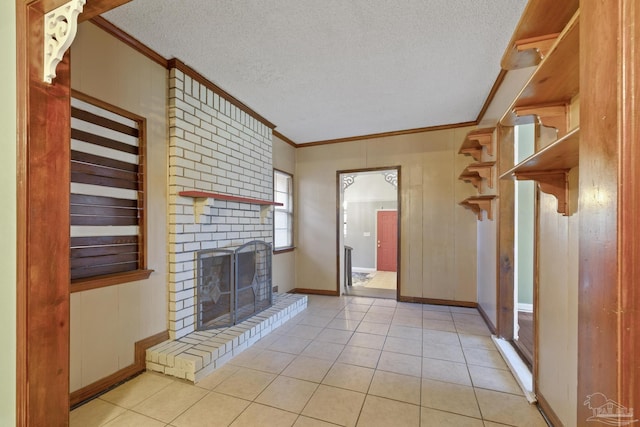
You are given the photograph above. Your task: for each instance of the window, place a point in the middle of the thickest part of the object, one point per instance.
(107, 196)
(283, 218)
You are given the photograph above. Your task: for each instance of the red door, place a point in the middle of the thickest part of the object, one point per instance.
(387, 240)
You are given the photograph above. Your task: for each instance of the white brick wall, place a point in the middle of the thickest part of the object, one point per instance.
(215, 147)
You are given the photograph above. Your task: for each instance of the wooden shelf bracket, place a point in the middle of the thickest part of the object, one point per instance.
(541, 44)
(555, 116)
(484, 170)
(478, 204)
(555, 183)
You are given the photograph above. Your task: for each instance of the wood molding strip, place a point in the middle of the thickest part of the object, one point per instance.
(179, 65)
(436, 301)
(547, 411)
(314, 292)
(487, 320)
(285, 139)
(138, 366)
(492, 93)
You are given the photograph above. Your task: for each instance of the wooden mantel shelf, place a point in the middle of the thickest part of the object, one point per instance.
(550, 168)
(206, 195)
(200, 200)
(477, 204)
(475, 141)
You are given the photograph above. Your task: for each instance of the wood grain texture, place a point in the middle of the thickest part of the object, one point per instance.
(96, 7)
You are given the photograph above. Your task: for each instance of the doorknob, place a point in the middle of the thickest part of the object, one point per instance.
(378, 243)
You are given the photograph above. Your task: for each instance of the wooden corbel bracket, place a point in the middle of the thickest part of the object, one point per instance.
(554, 182)
(555, 116)
(541, 44)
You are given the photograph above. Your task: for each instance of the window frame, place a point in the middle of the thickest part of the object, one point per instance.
(142, 272)
(290, 212)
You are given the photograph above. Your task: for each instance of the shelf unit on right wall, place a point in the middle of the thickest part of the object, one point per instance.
(546, 99)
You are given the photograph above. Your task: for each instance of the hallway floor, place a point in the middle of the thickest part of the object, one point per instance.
(344, 361)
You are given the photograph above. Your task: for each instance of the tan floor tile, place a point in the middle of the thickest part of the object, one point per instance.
(403, 345)
(492, 424)
(436, 307)
(380, 412)
(271, 361)
(439, 325)
(245, 383)
(465, 310)
(318, 321)
(335, 405)
(356, 308)
(304, 331)
(378, 318)
(132, 419)
(396, 386)
(472, 329)
(450, 397)
(373, 328)
(361, 339)
(171, 401)
(288, 344)
(308, 369)
(335, 336)
(440, 337)
(482, 357)
(94, 413)
(360, 356)
(287, 393)
(400, 363)
(323, 350)
(411, 321)
(344, 324)
(508, 409)
(434, 418)
(437, 315)
(351, 377)
(138, 389)
(213, 410)
(264, 416)
(477, 341)
(385, 302)
(303, 421)
(494, 379)
(445, 370)
(216, 377)
(246, 357)
(408, 332)
(444, 352)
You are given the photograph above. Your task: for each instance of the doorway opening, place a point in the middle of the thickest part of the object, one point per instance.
(368, 232)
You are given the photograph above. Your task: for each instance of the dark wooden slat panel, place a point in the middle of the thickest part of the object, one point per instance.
(103, 181)
(102, 141)
(84, 199)
(102, 171)
(79, 156)
(105, 269)
(98, 261)
(103, 240)
(90, 251)
(102, 220)
(103, 211)
(103, 121)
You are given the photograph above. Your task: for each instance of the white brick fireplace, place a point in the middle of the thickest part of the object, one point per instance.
(213, 147)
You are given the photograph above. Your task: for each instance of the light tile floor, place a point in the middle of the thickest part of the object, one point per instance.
(347, 361)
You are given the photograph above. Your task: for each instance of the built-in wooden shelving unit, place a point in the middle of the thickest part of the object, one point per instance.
(540, 24)
(554, 83)
(477, 204)
(550, 168)
(476, 172)
(475, 141)
(200, 199)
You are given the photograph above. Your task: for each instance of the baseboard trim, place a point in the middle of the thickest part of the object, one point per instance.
(138, 366)
(435, 301)
(314, 292)
(487, 320)
(547, 411)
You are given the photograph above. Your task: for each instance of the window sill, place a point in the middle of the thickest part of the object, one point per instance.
(284, 250)
(108, 280)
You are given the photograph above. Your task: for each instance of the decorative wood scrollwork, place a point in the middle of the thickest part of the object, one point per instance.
(60, 27)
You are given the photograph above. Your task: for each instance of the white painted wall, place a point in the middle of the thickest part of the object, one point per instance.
(8, 213)
(106, 322)
(284, 264)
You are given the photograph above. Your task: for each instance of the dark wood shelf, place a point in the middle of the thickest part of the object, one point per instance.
(541, 21)
(475, 141)
(550, 168)
(477, 204)
(553, 84)
(206, 195)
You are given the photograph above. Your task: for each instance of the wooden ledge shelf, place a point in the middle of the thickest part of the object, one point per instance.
(475, 141)
(550, 168)
(553, 84)
(476, 172)
(540, 22)
(200, 200)
(477, 204)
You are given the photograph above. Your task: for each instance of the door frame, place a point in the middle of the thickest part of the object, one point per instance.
(339, 227)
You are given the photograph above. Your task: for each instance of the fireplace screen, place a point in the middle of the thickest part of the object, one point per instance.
(233, 284)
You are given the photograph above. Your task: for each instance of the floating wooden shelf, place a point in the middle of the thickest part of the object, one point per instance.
(475, 141)
(553, 84)
(200, 200)
(550, 168)
(541, 21)
(476, 172)
(477, 204)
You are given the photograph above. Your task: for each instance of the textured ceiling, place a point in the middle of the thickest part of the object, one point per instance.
(330, 69)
